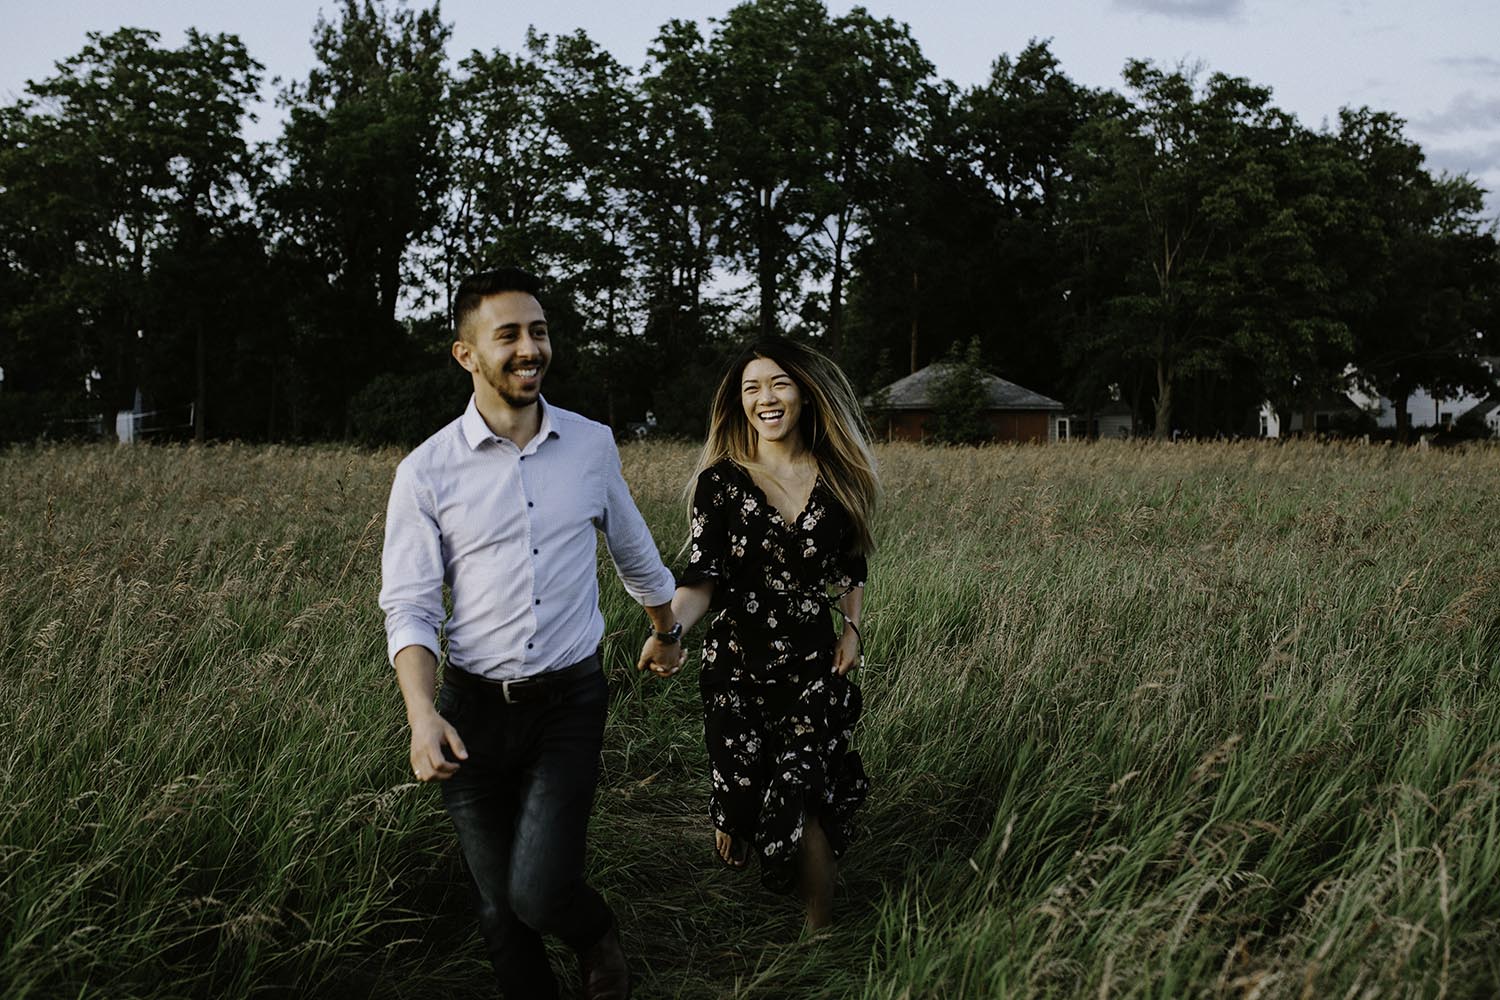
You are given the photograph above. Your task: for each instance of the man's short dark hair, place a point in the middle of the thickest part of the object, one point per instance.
(477, 287)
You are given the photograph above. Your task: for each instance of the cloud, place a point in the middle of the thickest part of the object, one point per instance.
(1466, 111)
(1476, 161)
(1474, 65)
(1198, 10)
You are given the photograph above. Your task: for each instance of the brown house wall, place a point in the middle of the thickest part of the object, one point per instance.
(1005, 425)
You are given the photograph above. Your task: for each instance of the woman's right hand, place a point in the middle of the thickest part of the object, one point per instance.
(846, 652)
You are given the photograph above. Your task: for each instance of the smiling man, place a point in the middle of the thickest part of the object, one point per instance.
(504, 505)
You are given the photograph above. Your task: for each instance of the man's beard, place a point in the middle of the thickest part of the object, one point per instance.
(496, 378)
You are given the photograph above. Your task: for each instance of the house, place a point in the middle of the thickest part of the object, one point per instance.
(1485, 414)
(1013, 412)
(1426, 411)
(1331, 413)
(1115, 420)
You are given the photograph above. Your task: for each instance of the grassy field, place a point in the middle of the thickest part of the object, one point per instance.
(1148, 721)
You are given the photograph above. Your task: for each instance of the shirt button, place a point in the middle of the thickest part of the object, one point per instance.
(539, 600)
(536, 552)
(530, 504)
(529, 645)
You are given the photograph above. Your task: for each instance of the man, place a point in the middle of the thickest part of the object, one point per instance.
(503, 506)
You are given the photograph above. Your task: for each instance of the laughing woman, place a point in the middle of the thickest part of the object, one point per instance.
(779, 532)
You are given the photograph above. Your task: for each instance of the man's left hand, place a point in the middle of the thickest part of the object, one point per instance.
(662, 658)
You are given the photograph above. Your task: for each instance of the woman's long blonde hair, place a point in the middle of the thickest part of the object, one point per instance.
(832, 424)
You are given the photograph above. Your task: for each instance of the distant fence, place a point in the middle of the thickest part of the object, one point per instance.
(132, 425)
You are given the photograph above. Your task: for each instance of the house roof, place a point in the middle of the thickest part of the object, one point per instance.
(1335, 402)
(1482, 409)
(915, 392)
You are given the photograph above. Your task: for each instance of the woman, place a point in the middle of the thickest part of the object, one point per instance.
(779, 530)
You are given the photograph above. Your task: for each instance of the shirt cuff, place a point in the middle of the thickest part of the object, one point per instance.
(410, 635)
(659, 596)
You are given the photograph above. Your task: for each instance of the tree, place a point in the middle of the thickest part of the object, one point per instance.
(767, 82)
(366, 165)
(878, 99)
(511, 171)
(1428, 266)
(1181, 187)
(1017, 136)
(128, 158)
(959, 399)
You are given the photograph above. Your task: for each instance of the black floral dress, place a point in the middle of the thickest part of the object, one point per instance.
(777, 718)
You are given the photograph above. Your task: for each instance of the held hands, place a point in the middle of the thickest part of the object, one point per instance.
(662, 658)
(429, 735)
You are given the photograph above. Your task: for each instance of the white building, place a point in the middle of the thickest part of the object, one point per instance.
(1426, 411)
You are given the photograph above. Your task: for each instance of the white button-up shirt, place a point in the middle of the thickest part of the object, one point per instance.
(512, 532)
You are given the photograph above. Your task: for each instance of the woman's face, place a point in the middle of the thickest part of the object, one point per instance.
(772, 401)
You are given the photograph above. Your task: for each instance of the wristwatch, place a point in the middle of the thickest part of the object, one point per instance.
(669, 638)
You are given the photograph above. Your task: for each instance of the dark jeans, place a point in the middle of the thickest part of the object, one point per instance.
(521, 804)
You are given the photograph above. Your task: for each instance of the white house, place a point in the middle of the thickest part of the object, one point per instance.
(1426, 411)
(1329, 413)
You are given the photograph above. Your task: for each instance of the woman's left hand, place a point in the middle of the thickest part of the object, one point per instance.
(846, 654)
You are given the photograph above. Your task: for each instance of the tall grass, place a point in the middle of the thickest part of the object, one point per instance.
(1150, 721)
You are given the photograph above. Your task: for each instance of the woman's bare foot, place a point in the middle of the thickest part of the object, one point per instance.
(731, 852)
(816, 869)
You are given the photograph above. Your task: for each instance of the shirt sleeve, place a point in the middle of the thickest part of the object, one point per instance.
(708, 531)
(411, 568)
(637, 562)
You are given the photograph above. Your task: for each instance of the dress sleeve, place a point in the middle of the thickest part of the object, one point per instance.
(850, 567)
(852, 570)
(708, 531)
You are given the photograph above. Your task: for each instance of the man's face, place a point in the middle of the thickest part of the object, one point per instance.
(506, 347)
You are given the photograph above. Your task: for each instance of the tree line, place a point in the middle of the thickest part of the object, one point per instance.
(1180, 245)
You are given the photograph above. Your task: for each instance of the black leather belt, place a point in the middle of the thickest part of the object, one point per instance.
(523, 690)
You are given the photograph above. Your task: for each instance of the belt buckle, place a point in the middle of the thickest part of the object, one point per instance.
(505, 691)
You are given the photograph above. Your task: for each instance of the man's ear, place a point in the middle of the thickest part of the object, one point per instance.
(463, 353)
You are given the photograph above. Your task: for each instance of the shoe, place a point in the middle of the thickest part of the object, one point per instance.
(602, 968)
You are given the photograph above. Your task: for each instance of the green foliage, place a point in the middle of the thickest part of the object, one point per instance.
(1181, 243)
(406, 409)
(1429, 268)
(959, 399)
(130, 153)
(26, 416)
(366, 152)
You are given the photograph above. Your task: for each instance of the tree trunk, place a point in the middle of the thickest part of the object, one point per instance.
(1163, 402)
(271, 397)
(200, 366)
(766, 265)
(836, 289)
(913, 321)
(1400, 394)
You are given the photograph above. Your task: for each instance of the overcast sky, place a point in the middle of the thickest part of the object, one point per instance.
(1434, 63)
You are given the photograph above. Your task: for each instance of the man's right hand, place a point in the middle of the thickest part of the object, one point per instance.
(429, 735)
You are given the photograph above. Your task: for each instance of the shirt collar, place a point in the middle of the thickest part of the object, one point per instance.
(476, 432)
